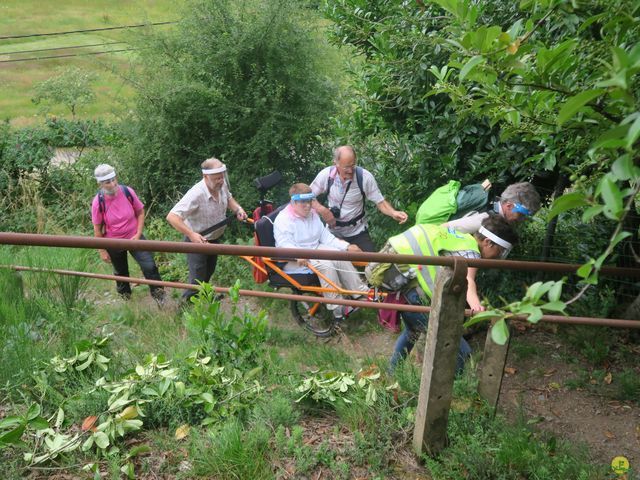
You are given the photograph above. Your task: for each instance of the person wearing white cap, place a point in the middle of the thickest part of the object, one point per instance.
(494, 239)
(117, 212)
(202, 207)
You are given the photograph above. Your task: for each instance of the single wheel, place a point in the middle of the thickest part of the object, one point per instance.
(313, 316)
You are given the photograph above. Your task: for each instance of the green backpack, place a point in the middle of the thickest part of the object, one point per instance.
(449, 202)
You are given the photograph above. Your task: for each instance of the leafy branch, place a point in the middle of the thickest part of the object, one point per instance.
(532, 306)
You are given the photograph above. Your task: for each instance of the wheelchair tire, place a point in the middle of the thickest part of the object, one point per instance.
(321, 323)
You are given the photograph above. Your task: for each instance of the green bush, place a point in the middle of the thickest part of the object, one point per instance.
(573, 242)
(81, 133)
(252, 86)
(39, 195)
(24, 151)
(237, 339)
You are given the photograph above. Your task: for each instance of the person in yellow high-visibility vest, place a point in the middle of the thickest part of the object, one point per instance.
(494, 239)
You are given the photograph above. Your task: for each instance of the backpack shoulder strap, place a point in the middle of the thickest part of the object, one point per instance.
(101, 203)
(360, 181)
(332, 175)
(127, 193)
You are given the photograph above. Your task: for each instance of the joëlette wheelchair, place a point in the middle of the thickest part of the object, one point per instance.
(311, 315)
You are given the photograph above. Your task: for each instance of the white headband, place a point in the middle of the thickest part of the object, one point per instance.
(210, 171)
(108, 176)
(494, 238)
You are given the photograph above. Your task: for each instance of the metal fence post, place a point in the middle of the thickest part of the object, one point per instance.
(439, 366)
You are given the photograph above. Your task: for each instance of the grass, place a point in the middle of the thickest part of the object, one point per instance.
(29, 16)
(38, 315)
(276, 436)
(232, 451)
(516, 450)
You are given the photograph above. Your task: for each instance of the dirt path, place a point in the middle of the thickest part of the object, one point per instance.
(536, 387)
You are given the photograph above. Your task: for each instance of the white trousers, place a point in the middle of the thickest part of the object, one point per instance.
(341, 273)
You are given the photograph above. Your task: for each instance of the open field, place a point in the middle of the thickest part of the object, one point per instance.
(31, 17)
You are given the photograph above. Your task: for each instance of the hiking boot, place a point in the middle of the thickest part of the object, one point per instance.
(160, 297)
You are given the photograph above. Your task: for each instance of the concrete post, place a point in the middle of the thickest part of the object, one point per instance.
(491, 370)
(438, 370)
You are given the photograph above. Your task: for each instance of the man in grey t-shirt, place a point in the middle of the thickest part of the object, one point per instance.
(345, 213)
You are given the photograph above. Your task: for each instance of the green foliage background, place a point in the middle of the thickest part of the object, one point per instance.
(429, 91)
(256, 84)
(250, 83)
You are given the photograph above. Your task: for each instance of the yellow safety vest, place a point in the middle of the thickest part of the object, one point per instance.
(430, 240)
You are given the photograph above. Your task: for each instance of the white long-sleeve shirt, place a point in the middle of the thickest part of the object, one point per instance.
(292, 231)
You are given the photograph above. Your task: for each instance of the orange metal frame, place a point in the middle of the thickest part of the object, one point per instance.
(271, 263)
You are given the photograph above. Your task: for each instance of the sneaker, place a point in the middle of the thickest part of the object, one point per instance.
(343, 311)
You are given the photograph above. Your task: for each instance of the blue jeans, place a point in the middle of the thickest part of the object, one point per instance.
(415, 324)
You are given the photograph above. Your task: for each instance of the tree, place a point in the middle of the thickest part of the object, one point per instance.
(419, 141)
(543, 86)
(245, 81)
(72, 88)
(562, 75)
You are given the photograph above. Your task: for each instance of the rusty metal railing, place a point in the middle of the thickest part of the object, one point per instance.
(245, 250)
(239, 250)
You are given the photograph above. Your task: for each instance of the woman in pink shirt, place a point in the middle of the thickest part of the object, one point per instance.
(116, 212)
